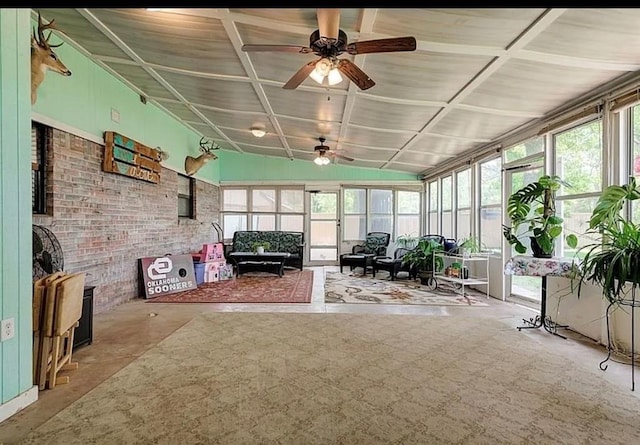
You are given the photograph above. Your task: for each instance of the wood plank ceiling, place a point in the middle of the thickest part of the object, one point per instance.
(477, 74)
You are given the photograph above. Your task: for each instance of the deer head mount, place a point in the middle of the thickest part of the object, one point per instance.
(192, 165)
(43, 58)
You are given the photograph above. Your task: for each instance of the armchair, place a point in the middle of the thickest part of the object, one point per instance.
(362, 255)
(395, 264)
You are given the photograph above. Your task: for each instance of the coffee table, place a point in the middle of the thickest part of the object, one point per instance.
(268, 261)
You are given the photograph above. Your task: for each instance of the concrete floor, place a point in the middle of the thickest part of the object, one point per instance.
(124, 333)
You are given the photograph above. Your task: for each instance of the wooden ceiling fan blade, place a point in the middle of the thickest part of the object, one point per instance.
(299, 77)
(328, 22)
(355, 74)
(338, 155)
(382, 45)
(280, 48)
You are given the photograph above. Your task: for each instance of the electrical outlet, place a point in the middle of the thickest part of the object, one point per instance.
(7, 329)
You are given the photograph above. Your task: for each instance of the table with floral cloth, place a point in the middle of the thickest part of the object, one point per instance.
(523, 265)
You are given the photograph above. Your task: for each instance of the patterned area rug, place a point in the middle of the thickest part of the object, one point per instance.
(343, 288)
(254, 287)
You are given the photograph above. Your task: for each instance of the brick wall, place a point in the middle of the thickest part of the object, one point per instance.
(105, 222)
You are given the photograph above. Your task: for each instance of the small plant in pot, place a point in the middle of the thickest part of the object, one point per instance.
(614, 258)
(260, 246)
(422, 259)
(469, 245)
(533, 206)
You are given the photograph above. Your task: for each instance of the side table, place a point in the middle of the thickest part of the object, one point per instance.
(541, 267)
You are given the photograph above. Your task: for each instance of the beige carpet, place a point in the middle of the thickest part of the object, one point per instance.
(265, 378)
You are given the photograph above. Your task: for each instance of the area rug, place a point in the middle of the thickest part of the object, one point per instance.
(343, 288)
(294, 286)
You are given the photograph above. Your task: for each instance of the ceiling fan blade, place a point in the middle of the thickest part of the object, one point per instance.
(328, 22)
(355, 74)
(382, 45)
(280, 48)
(338, 155)
(299, 77)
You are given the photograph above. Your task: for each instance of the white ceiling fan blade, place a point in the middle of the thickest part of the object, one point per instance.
(328, 22)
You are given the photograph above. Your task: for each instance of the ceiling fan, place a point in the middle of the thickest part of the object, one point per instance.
(328, 41)
(324, 153)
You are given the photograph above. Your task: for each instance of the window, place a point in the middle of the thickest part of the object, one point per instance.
(355, 214)
(381, 205)
(39, 145)
(433, 208)
(408, 213)
(260, 208)
(447, 220)
(490, 205)
(524, 149)
(463, 204)
(578, 161)
(634, 162)
(186, 186)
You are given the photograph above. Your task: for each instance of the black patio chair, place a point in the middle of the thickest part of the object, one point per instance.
(362, 255)
(394, 265)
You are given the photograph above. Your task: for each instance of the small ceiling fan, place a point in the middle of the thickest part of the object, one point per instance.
(324, 153)
(328, 41)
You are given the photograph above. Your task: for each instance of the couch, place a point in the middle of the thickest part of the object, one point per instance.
(280, 241)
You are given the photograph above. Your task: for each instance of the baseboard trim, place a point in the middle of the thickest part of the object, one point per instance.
(18, 403)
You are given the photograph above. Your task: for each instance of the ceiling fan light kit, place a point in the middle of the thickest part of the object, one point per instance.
(321, 160)
(326, 43)
(258, 131)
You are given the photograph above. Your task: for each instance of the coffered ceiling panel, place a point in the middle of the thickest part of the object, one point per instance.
(489, 27)
(391, 116)
(475, 75)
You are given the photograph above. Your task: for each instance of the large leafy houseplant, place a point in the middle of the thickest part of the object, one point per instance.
(533, 206)
(614, 258)
(422, 258)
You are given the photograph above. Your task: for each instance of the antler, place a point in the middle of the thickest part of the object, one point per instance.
(208, 146)
(40, 38)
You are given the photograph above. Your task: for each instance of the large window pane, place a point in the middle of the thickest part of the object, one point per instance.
(635, 161)
(446, 193)
(292, 201)
(355, 201)
(408, 202)
(382, 201)
(292, 223)
(324, 206)
(433, 224)
(579, 158)
(263, 222)
(491, 182)
(263, 200)
(447, 229)
(233, 223)
(408, 224)
(491, 228)
(463, 222)
(433, 196)
(463, 197)
(576, 214)
(234, 200)
(527, 148)
(380, 223)
(354, 227)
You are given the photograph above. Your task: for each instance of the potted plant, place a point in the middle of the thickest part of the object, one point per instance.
(614, 258)
(407, 241)
(260, 246)
(422, 259)
(534, 206)
(468, 245)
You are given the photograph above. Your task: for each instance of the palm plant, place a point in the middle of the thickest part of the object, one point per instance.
(614, 259)
(543, 226)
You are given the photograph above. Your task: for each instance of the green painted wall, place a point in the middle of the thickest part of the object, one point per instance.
(84, 101)
(15, 201)
(250, 167)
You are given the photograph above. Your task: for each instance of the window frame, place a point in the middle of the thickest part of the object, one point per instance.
(40, 146)
(190, 198)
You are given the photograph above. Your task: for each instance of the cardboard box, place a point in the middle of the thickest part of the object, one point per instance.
(226, 272)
